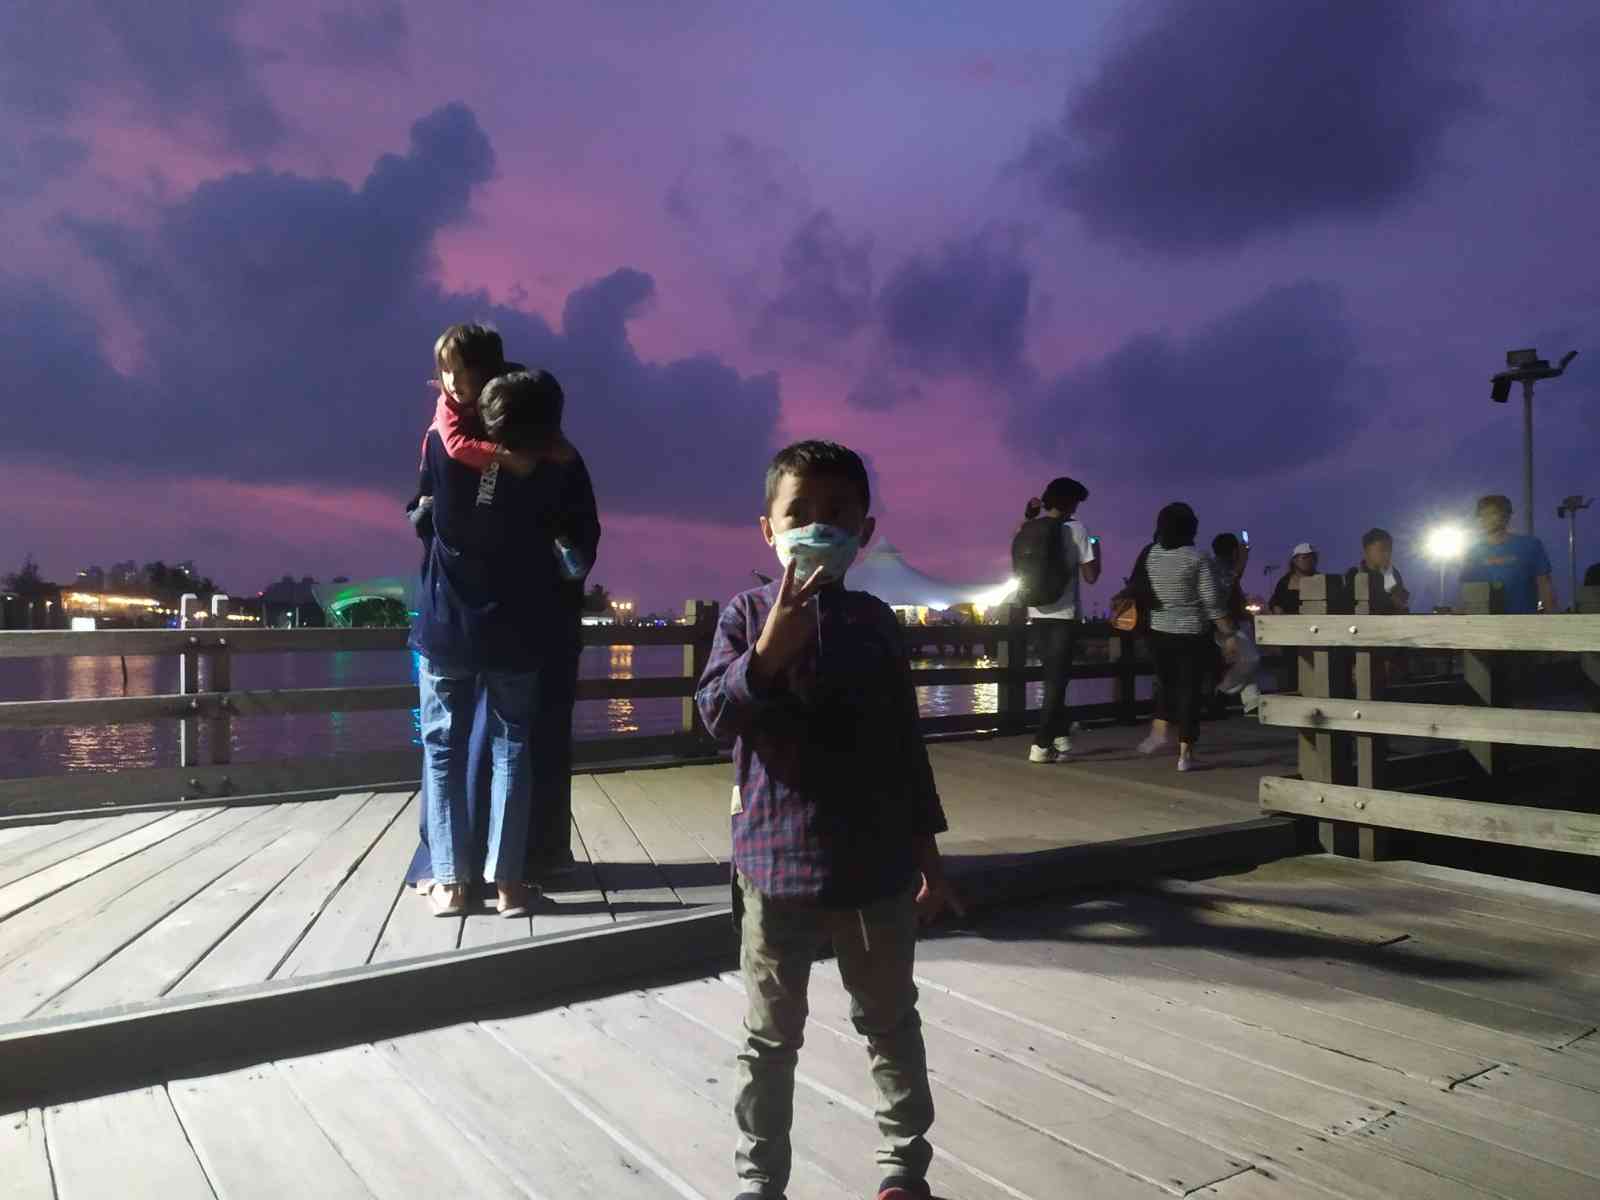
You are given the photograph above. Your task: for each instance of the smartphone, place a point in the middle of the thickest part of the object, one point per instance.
(1094, 547)
(1244, 536)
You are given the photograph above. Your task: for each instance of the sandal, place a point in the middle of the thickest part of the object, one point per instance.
(514, 898)
(448, 899)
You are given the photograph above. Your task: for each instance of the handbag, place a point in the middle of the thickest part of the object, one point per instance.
(1130, 608)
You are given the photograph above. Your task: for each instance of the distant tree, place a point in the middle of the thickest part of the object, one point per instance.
(376, 611)
(26, 579)
(168, 583)
(597, 600)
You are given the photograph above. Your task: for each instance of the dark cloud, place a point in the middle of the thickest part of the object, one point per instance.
(882, 390)
(744, 183)
(825, 290)
(1275, 385)
(963, 309)
(175, 61)
(287, 325)
(1226, 119)
(29, 164)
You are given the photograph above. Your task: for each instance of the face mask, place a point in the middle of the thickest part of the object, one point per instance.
(813, 546)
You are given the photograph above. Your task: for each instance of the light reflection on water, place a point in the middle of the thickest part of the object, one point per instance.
(25, 752)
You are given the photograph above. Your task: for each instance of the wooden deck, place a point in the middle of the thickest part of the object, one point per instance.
(104, 911)
(1313, 1028)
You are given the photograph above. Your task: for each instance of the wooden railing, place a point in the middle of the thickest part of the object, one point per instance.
(1346, 711)
(206, 697)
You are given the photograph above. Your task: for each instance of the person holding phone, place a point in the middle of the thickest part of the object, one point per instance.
(1074, 559)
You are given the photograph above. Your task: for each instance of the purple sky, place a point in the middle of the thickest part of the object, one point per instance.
(1260, 257)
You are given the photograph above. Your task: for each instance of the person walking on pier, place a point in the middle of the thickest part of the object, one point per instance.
(1189, 604)
(835, 817)
(1517, 562)
(1286, 596)
(1052, 554)
(485, 620)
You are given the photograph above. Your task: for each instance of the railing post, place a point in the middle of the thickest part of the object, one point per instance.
(219, 679)
(1012, 705)
(702, 620)
(1323, 757)
(188, 685)
(1372, 750)
(1485, 671)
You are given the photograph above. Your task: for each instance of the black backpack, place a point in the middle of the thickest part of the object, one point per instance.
(1039, 561)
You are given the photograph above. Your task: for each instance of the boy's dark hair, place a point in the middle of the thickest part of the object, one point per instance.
(1062, 491)
(1225, 545)
(1375, 535)
(522, 409)
(1176, 526)
(1503, 503)
(473, 347)
(819, 458)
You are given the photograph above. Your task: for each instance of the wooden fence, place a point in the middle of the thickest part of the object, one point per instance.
(1347, 710)
(206, 697)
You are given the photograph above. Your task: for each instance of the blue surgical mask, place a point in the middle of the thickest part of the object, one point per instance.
(813, 546)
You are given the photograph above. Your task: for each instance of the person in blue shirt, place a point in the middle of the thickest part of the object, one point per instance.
(1515, 561)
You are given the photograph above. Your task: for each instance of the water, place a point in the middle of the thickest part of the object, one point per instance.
(28, 752)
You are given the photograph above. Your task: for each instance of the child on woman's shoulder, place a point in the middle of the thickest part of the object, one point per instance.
(466, 358)
(834, 820)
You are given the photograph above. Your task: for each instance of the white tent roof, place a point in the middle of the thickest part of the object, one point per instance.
(884, 572)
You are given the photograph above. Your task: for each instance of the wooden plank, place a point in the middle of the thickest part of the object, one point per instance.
(1546, 633)
(1163, 1157)
(71, 842)
(1225, 896)
(256, 1140)
(1262, 1184)
(395, 1140)
(136, 1044)
(32, 980)
(347, 930)
(133, 835)
(83, 900)
(1493, 1168)
(1457, 722)
(494, 1102)
(24, 1164)
(96, 790)
(1551, 1098)
(622, 865)
(489, 928)
(23, 841)
(681, 1136)
(411, 929)
(130, 1146)
(254, 950)
(694, 875)
(974, 1137)
(575, 902)
(1507, 824)
(173, 946)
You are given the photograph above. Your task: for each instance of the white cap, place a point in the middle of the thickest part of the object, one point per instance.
(1303, 548)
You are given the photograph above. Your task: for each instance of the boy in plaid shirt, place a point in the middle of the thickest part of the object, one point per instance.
(834, 816)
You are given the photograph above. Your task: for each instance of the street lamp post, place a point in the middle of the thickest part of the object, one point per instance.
(1526, 367)
(1444, 546)
(1570, 508)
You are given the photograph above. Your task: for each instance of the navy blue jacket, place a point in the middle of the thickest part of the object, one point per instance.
(492, 597)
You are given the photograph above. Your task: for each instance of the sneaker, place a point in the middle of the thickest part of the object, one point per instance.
(1041, 754)
(1186, 762)
(1152, 743)
(1063, 747)
(904, 1187)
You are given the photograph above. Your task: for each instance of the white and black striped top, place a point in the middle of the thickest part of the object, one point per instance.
(1189, 596)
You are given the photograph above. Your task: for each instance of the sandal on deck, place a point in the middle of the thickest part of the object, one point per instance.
(448, 899)
(514, 899)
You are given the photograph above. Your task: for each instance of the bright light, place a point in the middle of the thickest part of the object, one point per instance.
(80, 624)
(1446, 543)
(995, 595)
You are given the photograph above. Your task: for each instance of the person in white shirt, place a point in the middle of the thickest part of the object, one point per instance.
(1056, 624)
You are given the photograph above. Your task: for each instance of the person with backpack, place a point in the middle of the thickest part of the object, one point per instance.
(1050, 555)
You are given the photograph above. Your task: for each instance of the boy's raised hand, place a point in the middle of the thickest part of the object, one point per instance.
(788, 625)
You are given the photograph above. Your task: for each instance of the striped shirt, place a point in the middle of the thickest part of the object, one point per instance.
(1188, 595)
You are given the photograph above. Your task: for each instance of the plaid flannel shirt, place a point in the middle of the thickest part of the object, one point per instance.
(834, 783)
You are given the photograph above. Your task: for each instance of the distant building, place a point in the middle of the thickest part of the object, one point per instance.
(92, 579)
(292, 604)
(124, 575)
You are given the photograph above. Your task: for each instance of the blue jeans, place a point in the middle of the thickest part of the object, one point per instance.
(448, 699)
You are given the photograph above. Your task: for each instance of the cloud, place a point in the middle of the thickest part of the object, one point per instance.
(882, 390)
(287, 323)
(360, 33)
(29, 165)
(176, 62)
(1274, 385)
(825, 288)
(744, 184)
(963, 309)
(1225, 119)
